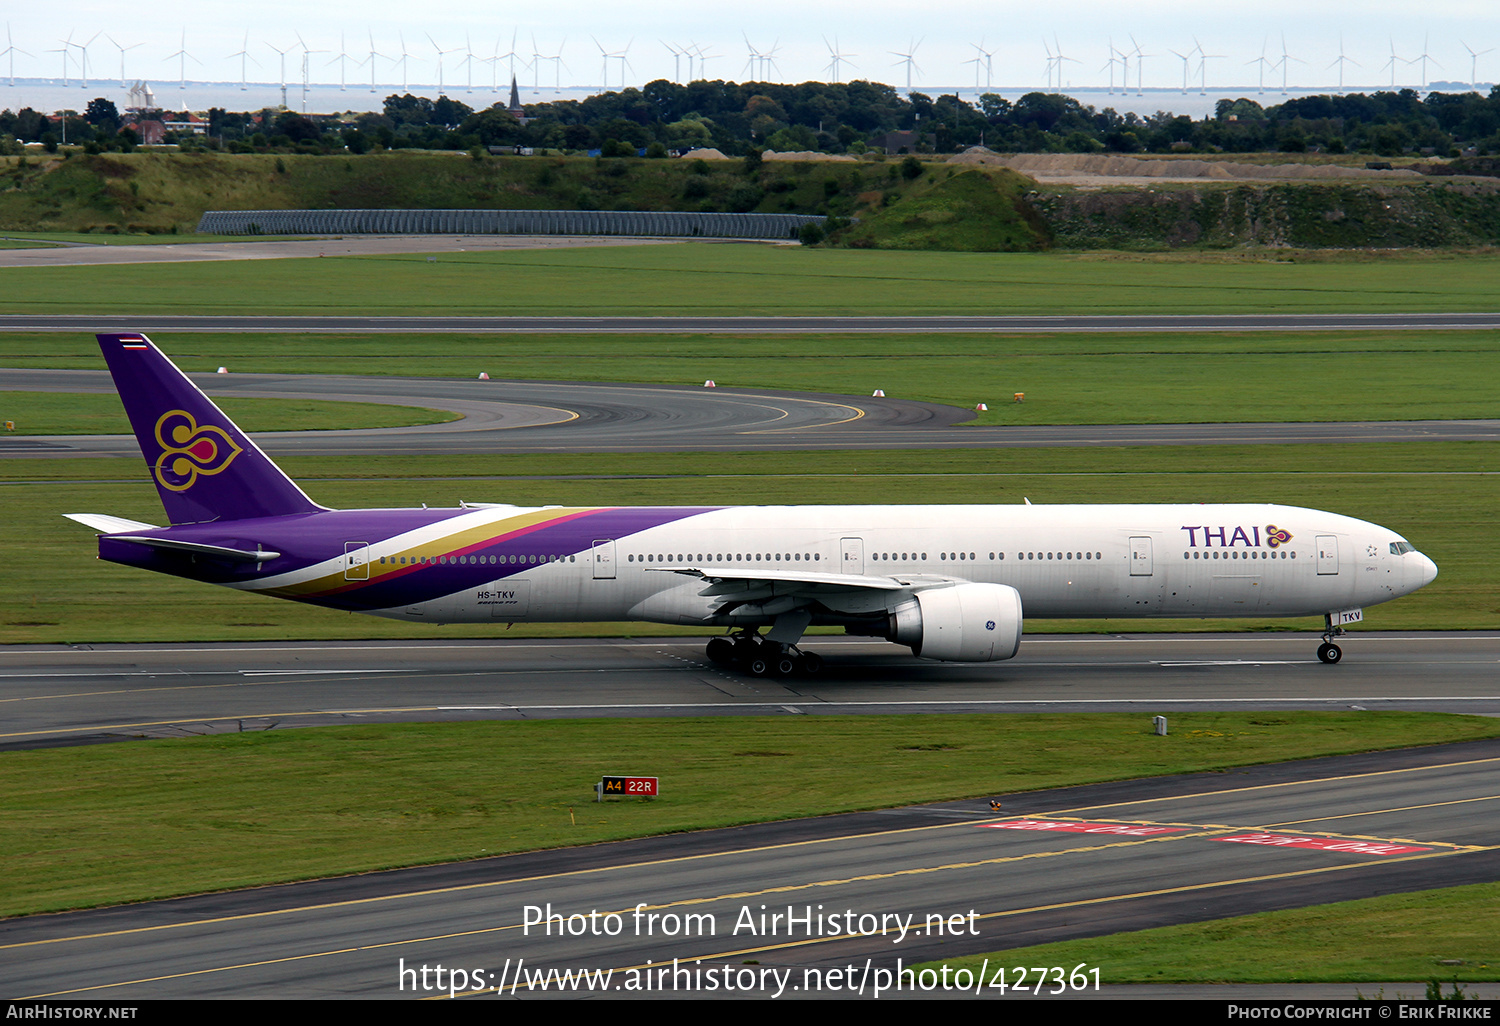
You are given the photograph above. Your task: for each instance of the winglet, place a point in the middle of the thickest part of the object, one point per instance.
(204, 467)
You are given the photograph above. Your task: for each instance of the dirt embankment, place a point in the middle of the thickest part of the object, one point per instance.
(1100, 169)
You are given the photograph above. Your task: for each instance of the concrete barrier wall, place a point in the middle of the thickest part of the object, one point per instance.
(504, 222)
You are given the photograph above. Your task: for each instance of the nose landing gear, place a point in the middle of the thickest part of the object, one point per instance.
(1328, 652)
(759, 657)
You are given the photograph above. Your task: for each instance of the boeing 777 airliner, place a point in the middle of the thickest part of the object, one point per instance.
(951, 582)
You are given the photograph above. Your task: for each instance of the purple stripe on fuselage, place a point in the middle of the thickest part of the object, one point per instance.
(309, 539)
(568, 535)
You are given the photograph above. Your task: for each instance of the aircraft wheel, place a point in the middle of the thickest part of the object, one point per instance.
(721, 651)
(812, 664)
(1330, 653)
(786, 665)
(759, 666)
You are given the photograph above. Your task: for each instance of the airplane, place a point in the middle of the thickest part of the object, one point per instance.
(949, 582)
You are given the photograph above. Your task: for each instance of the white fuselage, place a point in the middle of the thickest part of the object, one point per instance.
(1065, 561)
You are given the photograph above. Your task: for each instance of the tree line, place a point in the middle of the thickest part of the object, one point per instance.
(852, 117)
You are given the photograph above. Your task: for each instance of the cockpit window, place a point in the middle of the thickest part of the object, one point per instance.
(1401, 548)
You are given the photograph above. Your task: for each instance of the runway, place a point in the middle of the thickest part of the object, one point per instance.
(544, 417)
(58, 695)
(834, 906)
(755, 324)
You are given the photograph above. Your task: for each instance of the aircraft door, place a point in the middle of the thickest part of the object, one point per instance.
(1140, 557)
(604, 559)
(854, 556)
(1328, 554)
(356, 561)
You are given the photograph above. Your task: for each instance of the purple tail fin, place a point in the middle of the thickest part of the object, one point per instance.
(203, 466)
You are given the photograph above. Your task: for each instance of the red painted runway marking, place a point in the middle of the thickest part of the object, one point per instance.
(1074, 827)
(1325, 844)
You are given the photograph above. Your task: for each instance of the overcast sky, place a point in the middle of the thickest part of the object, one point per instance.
(870, 32)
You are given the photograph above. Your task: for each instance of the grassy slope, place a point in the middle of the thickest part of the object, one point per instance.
(121, 822)
(705, 278)
(1438, 495)
(1184, 377)
(1396, 937)
(972, 210)
(156, 192)
(65, 413)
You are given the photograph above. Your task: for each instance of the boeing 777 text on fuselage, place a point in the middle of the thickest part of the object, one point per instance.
(950, 582)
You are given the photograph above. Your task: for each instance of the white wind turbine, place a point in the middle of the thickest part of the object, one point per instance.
(1473, 66)
(306, 60)
(1262, 61)
(243, 55)
(66, 50)
(1110, 64)
(1391, 63)
(1285, 58)
(1061, 58)
(11, 50)
(182, 58)
(1203, 59)
(282, 53)
(982, 59)
(440, 54)
(341, 60)
(83, 61)
(371, 58)
(1185, 58)
(1341, 61)
(909, 59)
(1424, 58)
(1140, 67)
(404, 57)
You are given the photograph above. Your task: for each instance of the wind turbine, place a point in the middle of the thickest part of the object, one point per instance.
(1473, 66)
(1203, 59)
(1392, 62)
(982, 58)
(440, 53)
(1110, 64)
(65, 50)
(306, 60)
(1424, 58)
(282, 54)
(340, 60)
(371, 58)
(676, 59)
(182, 58)
(1140, 68)
(11, 50)
(1341, 61)
(512, 55)
(1261, 60)
(404, 55)
(1185, 58)
(83, 61)
(1285, 57)
(468, 65)
(755, 62)
(1060, 57)
(243, 55)
(909, 59)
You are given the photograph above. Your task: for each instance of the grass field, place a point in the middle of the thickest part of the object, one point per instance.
(1187, 377)
(1440, 496)
(1377, 940)
(72, 413)
(110, 823)
(722, 279)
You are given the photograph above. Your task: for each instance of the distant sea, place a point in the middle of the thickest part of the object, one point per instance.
(50, 95)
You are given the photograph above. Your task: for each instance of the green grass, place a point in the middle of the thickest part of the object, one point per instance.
(953, 208)
(705, 278)
(24, 240)
(1189, 377)
(73, 413)
(1377, 940)
(124, 822)
(1439, 495)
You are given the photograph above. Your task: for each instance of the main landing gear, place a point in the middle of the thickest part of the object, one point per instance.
(762, 658)
(1328, 652)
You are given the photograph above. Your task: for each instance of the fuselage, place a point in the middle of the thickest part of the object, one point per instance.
(508, 563)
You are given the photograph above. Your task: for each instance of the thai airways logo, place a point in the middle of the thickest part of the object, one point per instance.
(190, 449)
(1227, 537)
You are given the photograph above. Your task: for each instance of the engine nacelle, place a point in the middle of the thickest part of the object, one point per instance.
(967, 623)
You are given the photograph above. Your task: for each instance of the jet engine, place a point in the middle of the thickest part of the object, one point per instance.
(967, 623)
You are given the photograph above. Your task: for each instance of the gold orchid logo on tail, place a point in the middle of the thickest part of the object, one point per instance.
(189, 450)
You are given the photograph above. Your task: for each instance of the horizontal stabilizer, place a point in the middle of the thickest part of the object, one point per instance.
(106, 524)
(198, 548)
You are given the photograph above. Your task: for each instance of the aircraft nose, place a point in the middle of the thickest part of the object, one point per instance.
(1426, 570)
